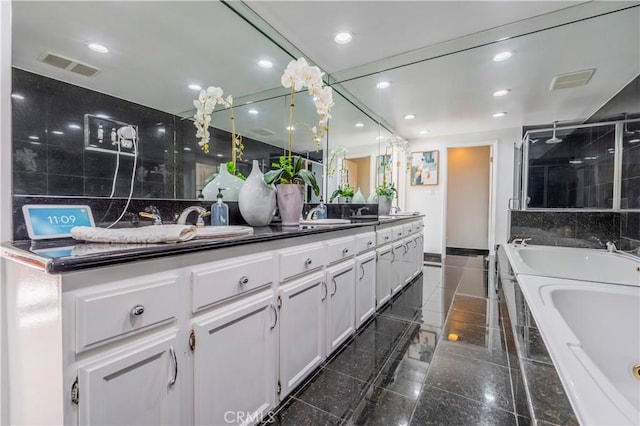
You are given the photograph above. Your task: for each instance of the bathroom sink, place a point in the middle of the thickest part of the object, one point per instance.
(325, 222)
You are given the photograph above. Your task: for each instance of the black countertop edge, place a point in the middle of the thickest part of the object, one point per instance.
(54, 265)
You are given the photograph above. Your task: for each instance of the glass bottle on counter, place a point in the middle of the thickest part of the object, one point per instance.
(219, 211)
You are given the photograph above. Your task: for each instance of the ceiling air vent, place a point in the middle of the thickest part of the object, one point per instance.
(263, 132)
(68, 64)
(571, 79)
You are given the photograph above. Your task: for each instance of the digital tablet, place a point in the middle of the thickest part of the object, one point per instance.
(47, 221)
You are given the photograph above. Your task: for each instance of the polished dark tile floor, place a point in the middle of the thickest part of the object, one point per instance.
(435, 355)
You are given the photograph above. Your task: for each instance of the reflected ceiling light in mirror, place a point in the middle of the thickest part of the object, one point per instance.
(503, 56)
(218, 155)
(409, 116)
(34, 138)
(291, 128)
(253, 111)
(17, 96)
(383, 84)
(636, 140)
(104, 116)
(195, 87)
(96, 47)
(499, 114)
(424, 132)
(575, 161)
(186, 148)
(161, 130)
(57, 132)
(359, 124)
(379, 138)
(343, 37)
(501, 92)
(264, 63)
(591, 158)
(75, 126)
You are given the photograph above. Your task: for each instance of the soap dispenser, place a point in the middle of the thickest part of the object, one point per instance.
(219, 211)
(322, 210)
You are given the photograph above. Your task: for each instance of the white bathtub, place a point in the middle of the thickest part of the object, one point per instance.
(592, 332)
(574, 263)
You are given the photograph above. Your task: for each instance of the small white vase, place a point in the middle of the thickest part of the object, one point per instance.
(257, 200)
(358, 198)
(373, 198)
(290, 201)
(225, 180)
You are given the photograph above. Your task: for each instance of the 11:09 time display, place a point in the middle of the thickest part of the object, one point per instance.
(61, 219)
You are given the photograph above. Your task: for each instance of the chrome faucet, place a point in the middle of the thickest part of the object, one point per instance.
(362, 210)
(611, 247)
(182, 219)
(313, 212)
(521, 241)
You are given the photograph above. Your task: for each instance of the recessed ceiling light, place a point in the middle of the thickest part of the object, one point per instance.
(57, 132)
(17, 96)
(359, 124)
(343, 38)
(34, 138)
(103, 116)
(218, 155)
(253, 111)
(503, 56)
(383, 84)
(501, 92)
(161, 130)
(499, 114)
(575, 161)
(263, 63)
(195, 87)
(291, 128)
(75, 126)
(409, 116)
(424, 132)
(186, 148)
(98, 48)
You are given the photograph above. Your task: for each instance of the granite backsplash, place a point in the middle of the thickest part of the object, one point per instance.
(577, 229)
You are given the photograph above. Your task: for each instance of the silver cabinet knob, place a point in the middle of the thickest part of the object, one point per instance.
(369, 242)
(244, 280)
(345, 251)
(308, 261)
(137, 310)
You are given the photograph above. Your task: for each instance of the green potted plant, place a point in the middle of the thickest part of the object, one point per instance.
(344, 194)
(290, 174)
(385, 192)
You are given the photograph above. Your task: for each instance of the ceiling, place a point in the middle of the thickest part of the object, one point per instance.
(158, 48)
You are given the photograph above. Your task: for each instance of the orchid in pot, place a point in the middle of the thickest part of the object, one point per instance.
(290, 173)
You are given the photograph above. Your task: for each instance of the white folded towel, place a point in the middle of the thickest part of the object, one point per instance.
(146, 234)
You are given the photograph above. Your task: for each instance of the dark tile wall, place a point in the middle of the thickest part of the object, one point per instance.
(577, 229)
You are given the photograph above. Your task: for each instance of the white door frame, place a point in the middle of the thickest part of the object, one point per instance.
(493, 188)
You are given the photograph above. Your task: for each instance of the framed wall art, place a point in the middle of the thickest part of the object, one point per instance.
(424, 168)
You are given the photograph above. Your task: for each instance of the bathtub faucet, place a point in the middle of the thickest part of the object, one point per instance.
(611, 247)
(521, 241)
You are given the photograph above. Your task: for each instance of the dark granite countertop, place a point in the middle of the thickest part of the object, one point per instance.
(66, 255)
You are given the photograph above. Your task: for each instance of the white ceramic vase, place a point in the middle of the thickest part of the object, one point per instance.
(358, 198)
(373, 198)
(384, 206)
(225, 180)
(257, 200)
(290, 201)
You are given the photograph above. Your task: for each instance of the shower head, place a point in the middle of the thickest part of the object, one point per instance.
(554, 139)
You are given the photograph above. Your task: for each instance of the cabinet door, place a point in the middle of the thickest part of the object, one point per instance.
(398, 266)
(341, 306)
(383, 275)
(365, 287)
(302, 329)
(234, 362)
(137, 386)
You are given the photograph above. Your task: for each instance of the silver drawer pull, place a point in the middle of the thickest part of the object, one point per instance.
(386, 238)
(308, 261)
(244, 280)
(369, 242)
(137, 310)
(345, 251)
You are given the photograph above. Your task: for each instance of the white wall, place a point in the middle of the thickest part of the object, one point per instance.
(468, 197)
(430, 200)
(6, 224)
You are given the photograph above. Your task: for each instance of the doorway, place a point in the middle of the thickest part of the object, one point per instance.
(468, 200)
(360, 174)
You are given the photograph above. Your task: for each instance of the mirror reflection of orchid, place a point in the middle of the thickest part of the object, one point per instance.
(205, 104)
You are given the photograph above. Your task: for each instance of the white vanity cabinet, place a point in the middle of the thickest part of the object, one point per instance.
(365, 304)
(398, 266)
(134, 386)
(384, 274)
(302, 328)
(340, 304)
(234, 361)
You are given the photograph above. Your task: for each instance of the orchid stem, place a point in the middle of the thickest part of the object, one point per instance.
(291, 106)
(233, 139)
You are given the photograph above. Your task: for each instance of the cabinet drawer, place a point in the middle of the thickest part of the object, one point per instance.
(408, 229)
(383, 236)
(366, 241)
(301, 259)
(102, 316)
(397, 232)
(341, 248)
(225, 279)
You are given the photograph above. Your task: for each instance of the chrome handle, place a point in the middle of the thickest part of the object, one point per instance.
(406, 248)
(369, 243)
(393, 253)
(275, 312)
(308, 261)
(326, 291)
(137, 310)
(386, 238)
(244, 280)
(345, 251)
(172, 352)
(362, 269)
(415, 243)
(335, 287)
